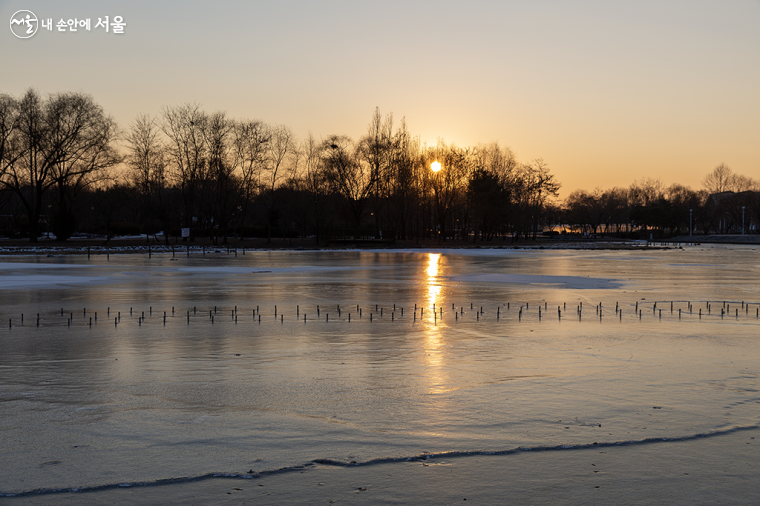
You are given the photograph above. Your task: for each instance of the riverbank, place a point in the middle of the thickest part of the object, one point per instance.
(98, 246)
(718, 239)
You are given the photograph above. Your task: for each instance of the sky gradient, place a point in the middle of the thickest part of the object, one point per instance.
(605, 92)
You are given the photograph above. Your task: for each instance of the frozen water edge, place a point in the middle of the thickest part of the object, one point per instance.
(374, 462)
(184, 248)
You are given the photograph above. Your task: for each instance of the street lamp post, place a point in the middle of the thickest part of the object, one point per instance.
(690, 228)
(742, 220)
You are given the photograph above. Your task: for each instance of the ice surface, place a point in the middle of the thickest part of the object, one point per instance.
(143, 400)
(538, 279)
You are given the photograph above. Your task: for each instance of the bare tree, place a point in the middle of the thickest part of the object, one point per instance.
(281, 151)
(146, 154)
(542, 186)
(88, 160)
(721, 179)
(187, 151)
(586, 209)
(147, 162)
(352, 180)
(316, 184)
(645, 191)
(741, 183)
(616, 210)
(403, 178)
(499, 180)
(497, 159)
(64, 141)
(376, 150)
(250, 142)
(10, 118)
(447, 185)
(28, 175)
(221, 184)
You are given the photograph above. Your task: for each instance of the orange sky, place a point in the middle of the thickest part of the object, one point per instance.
(605, 92)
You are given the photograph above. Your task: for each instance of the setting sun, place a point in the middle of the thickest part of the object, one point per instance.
(435, 166)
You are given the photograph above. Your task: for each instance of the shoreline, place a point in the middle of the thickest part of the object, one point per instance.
(205, 246)
(133, 245)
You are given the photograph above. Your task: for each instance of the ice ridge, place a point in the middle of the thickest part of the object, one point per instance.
(338, 463)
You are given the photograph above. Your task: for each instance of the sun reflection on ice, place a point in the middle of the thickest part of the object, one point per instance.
(434, 288)
(433, 339)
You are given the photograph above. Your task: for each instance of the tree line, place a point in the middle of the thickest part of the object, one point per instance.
(727, 203)
(66, 167)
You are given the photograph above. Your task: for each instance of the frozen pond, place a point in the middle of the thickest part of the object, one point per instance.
(245, 384)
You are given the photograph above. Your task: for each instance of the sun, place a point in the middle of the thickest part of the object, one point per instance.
(435, 166)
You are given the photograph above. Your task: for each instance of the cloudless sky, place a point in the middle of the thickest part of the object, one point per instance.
(605, 92)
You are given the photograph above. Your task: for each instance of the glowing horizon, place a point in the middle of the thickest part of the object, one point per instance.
(604, 93)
